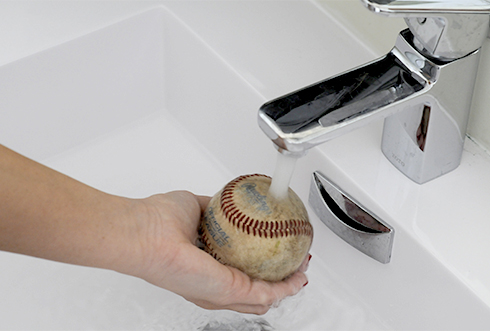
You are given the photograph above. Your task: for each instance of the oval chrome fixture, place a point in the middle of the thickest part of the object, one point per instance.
(350, 220)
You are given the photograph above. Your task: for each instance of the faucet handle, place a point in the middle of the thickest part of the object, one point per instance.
(409, 7)
(443, 29)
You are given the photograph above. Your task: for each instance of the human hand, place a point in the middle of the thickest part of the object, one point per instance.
(168, 232)
(49, 215)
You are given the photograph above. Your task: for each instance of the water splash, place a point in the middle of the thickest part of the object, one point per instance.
(238, 323)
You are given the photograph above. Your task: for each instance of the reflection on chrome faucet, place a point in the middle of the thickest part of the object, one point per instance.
(363, 217)
(423, 127)
(422, 88)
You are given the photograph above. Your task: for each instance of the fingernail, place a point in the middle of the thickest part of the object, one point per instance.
(305, 284)
(308, 263)
(304, 266)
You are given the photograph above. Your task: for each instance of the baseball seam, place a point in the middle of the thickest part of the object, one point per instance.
(267, 229)
(208, 247)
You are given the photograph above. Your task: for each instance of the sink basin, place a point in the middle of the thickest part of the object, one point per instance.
(162, 100)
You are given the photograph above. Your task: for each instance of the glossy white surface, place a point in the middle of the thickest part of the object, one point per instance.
(167, 99)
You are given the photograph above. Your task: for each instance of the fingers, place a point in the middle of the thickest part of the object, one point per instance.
(267, 295)
(264, 295)
(238, 307)
(217, 286)
(257, 296)
(289, 287)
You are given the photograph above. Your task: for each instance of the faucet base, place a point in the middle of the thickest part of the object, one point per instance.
(425, 139)
(405, 145)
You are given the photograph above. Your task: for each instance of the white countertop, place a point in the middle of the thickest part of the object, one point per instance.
(278, 52)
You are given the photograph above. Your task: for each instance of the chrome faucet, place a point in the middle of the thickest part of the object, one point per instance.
(423, 88)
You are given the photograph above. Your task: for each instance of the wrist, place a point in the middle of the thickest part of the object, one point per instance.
(123, 247)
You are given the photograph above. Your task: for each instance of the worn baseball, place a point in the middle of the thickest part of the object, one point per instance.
(246, 228)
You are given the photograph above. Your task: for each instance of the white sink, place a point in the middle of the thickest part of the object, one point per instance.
(167, 99)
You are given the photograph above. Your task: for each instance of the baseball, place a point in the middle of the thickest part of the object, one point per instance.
(246, 228)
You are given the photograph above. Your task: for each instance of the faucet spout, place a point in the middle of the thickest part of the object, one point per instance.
(330, 108)
(425, 101)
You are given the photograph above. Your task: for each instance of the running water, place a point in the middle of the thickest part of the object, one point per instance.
(282, 176)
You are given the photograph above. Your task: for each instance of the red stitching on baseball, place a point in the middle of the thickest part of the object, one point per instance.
(241, 218)
(266, 229)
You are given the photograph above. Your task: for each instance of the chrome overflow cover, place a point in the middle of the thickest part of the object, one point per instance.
(349, 220)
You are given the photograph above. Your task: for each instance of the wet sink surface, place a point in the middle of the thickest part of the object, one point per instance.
(148, 105)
